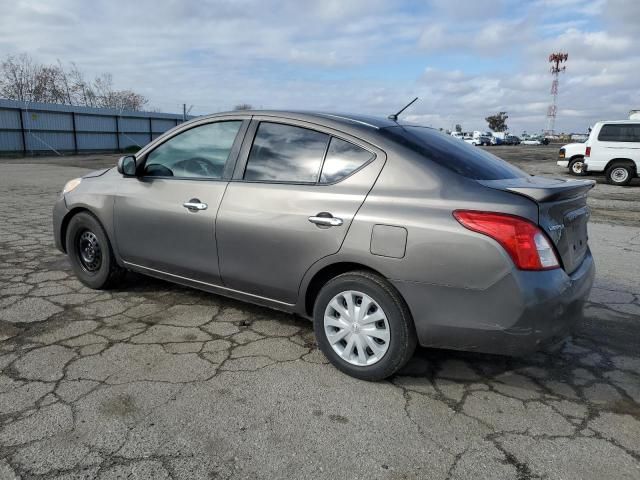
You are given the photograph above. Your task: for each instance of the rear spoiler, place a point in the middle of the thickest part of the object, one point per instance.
(542, 189)
(570, 189)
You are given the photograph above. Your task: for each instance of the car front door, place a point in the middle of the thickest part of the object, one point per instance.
(294, 194)
(165, 217)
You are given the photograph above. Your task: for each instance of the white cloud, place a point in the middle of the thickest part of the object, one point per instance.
(361, 55)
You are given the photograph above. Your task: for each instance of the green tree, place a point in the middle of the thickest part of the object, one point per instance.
(498, 122)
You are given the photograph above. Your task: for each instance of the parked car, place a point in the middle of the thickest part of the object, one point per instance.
(531, 141)
(384, 235)
(470, 140)
(458, 135)
(571, 156)
(482, 138)
(512, 140)
(613, 147)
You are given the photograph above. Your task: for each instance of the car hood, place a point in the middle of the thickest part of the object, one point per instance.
(575, 147)
(97, 173)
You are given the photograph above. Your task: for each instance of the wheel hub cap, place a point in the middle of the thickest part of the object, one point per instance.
(357, 328)
(619, 174)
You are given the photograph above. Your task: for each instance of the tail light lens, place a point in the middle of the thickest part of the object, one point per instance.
(525, 242)
(587, 152)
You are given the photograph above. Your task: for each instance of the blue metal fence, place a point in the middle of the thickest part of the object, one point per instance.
(37, 128)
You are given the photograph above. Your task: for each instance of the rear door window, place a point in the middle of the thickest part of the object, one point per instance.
(619, 132)
(452, 153)
(343, 158)
(286, 153)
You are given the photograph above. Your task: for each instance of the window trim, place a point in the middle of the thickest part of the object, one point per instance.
(636, 125)
(229, 165)
(252, 132)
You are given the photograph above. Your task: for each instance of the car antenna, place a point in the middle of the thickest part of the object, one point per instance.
(394, 116)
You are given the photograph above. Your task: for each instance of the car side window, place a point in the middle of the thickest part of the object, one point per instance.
(342, 159)
(619, 133)
(286, 153)
(200, 152)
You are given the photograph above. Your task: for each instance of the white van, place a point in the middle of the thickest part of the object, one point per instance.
(614, 148)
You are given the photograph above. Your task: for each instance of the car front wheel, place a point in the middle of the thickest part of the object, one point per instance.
(90, 252)
(363, 326)
(576, 167)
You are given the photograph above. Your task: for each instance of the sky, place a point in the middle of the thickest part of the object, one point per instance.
(464, 59)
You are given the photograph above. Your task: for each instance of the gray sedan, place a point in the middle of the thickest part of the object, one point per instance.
(385, 235)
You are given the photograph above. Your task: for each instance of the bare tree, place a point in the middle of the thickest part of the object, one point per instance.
(17, 77)
(23, 79)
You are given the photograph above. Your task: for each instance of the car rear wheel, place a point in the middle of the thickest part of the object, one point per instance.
(90, 252)
(363, 326)
(576, 167)
(620, 174)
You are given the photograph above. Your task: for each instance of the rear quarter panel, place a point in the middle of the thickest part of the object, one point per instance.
(421, 198)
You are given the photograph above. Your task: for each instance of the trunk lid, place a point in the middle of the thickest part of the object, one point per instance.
(562, 212)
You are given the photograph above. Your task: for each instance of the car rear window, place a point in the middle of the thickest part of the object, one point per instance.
(620, 132)
(452, 153)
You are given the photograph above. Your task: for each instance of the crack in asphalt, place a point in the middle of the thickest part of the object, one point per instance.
(121, 383)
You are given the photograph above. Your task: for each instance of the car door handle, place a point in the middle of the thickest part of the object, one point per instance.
(326, 221)
(195, 205)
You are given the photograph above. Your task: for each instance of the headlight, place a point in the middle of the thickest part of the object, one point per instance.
(70, 185)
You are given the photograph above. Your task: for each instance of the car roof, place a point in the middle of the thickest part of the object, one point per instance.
(619, 121)
(345, 119)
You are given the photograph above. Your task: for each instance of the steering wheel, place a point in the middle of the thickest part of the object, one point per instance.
(201, 167)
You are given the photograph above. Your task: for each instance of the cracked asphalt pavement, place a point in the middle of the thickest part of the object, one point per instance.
(158, 381)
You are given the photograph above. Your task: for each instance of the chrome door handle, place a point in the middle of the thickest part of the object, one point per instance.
(326, 221)
(195, 205)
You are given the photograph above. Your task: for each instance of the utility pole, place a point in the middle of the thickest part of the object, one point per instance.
(184, 112)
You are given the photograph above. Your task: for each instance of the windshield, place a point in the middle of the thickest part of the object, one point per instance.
(460, 157)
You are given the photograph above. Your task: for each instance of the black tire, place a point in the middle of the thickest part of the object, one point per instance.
(402, 335)
(97, 270)
(621, 175)
(576, 167)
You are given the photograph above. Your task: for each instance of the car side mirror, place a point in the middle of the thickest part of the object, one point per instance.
(127, 166)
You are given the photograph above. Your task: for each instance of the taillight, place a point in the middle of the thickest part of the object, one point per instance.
(525, 242)
(587, 152)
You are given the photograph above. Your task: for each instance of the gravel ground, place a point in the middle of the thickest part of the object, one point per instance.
(158, 381)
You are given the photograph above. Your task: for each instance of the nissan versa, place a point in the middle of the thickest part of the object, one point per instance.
(385, 235)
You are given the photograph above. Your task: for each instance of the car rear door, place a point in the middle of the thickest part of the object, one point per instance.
(165, 217)
(296, 189)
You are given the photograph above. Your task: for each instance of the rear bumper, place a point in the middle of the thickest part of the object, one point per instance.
(514, 316)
